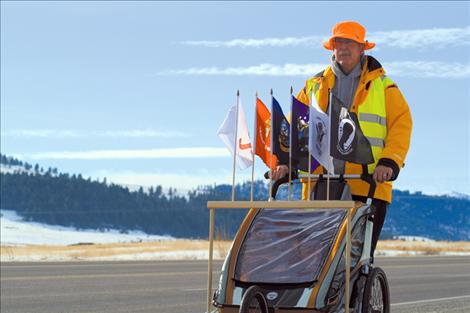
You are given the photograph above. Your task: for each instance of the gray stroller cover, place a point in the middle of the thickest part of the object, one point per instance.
(287, 246)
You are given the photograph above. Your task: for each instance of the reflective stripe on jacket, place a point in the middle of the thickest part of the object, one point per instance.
(384, 117)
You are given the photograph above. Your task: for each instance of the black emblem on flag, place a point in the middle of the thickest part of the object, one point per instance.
(346, 132)
(348, 143)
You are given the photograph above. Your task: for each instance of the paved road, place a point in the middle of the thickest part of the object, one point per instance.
(418, 284)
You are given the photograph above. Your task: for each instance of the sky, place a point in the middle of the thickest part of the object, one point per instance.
(135, 91)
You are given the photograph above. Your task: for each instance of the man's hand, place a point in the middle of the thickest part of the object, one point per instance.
(279, 172)
(382, 173)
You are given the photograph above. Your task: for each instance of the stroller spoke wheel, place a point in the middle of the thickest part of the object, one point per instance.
(376, 301)
(376, 293)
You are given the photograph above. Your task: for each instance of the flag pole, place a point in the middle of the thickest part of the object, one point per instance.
(309, 151)
(271, 151)
(330, 99)
(235, 147)
(290, 143)
(254, 150)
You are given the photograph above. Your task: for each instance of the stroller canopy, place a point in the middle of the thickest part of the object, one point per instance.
(287, 246)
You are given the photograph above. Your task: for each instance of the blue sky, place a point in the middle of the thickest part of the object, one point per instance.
(135, 91)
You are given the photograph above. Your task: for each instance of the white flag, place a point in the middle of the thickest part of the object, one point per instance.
(226, 132)
(319, 132)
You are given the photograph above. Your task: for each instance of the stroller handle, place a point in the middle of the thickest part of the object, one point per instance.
(366, 177)
(280, 181)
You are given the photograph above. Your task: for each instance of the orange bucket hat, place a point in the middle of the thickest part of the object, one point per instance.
(350, 30)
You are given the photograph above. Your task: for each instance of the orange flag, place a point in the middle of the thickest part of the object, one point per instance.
(263, 134)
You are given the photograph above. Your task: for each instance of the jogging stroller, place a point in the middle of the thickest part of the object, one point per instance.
(293, 260)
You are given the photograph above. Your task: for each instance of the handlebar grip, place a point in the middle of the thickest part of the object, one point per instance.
(280, 181)
(294, 175)
(277, 184)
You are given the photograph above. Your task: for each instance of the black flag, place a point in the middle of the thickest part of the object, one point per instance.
(280, 135)
(348, 143)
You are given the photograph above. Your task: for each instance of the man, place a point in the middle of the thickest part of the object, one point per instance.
(359, 82)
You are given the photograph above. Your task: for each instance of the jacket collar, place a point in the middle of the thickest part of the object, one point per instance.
(371, 70)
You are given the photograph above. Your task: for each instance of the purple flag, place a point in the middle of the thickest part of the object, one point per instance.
(300, 134)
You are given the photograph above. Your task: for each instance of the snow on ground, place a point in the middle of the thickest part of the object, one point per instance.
(64, 256)
(392, 253)
(13, 169)
(414, 238)
(24, 241)
(166, 255)
(15, 231)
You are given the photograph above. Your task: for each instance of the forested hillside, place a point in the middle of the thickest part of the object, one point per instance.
(71, 200)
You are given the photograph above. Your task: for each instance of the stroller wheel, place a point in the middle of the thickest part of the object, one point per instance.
(376, 293)
(253, 301)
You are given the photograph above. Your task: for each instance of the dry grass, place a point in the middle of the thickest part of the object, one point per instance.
(157, 250)
(90, 251)
(427, 248)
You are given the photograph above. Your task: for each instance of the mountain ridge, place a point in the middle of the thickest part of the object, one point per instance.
(71, 200)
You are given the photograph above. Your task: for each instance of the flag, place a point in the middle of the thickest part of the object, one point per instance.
(348, 143)
(280, 135)
(300, 134)
(263, 134)
(227, 131)
(319, 130)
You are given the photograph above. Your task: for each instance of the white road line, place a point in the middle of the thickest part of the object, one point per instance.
(434, 275)
(430, 300)
(194, 289)
(96, 276)
(387, 267)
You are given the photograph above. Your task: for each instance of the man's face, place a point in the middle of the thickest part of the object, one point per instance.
(347, 52)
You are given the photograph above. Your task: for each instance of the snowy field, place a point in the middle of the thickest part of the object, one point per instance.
(15, 231)
(30, 241)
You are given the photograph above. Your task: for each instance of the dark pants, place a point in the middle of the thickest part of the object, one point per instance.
(378, 219)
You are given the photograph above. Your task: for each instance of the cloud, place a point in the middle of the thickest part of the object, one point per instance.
(404, 39)
(184, 181)
(257, 43)
(265, 69)
(422, 69)
(418, 69)
(143, 133)
(51, 133)
(196, 152)
(41, 133)
(421, 38)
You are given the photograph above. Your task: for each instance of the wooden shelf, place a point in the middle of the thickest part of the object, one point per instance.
(283, 204)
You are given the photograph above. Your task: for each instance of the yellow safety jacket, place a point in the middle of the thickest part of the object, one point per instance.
(384, 117)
